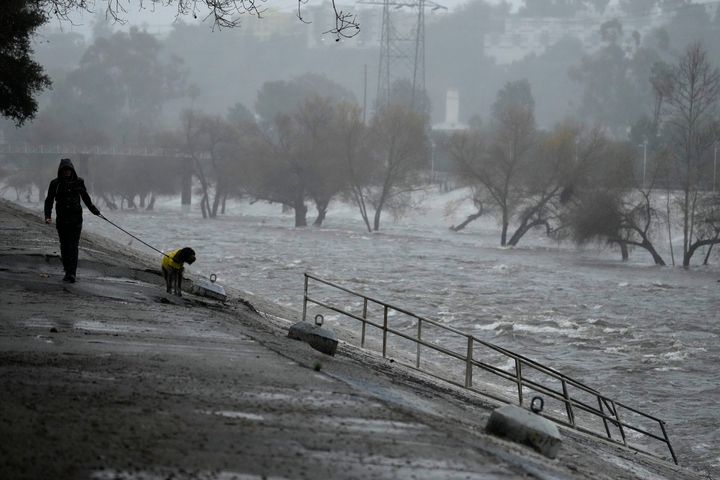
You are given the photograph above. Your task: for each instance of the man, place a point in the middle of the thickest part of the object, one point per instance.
(66, 191)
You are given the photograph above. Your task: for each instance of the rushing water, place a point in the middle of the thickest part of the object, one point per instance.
(646, 335)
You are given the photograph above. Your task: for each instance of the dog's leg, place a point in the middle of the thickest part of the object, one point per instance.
(168, 279)
(179, 283)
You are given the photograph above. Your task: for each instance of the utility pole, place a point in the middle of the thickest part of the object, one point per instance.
(365, 95)
(644, 147)
(715, 149)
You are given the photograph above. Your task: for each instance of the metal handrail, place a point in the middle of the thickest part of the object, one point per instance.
(605, 404)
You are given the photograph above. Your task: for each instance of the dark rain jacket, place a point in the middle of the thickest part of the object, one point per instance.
(66, 192)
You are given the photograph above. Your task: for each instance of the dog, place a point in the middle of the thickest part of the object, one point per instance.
(173, 264)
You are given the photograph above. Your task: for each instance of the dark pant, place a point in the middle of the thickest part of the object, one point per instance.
(69, 233)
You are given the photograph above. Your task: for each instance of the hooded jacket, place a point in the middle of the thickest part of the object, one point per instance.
(66, 192)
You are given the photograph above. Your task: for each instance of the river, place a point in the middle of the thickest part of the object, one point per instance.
(648, 336)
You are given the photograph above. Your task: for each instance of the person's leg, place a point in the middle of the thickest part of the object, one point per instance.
(73, 244)
(63, 235)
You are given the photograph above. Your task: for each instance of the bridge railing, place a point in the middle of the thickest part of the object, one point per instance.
(576, 405)
(98, 150)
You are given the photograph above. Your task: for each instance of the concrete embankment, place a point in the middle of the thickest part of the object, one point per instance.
(112, 378)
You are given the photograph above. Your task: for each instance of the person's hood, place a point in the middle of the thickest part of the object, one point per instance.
(67, 163)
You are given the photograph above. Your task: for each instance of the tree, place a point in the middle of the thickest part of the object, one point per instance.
(285, 97)
(397, 146)
(21, 78)
(239, 115)
(614, 82)
(351, 134)
(613, 205)
(325, 177)
(690, 128)
(295, 158)
(498, 161)
(215, 147)
(116, 93)
(561, 8)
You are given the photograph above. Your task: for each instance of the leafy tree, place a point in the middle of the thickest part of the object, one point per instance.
(561, 8)
(614, 206)
(240, 115)
(117, 92)
(21, 78)
(284, 97)
(297, 158)
(615, 88)
(317, 145)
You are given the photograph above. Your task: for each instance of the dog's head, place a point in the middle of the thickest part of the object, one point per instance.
(185, 255)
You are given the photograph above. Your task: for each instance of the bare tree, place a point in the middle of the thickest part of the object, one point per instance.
(223, 13)
(691, 97)
(397, 150)
(351, 134)
(212, 143)
(498, 160)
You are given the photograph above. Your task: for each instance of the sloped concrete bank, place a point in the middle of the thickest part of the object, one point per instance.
(112, 378)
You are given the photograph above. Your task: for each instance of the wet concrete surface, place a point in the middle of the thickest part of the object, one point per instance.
(110, 378)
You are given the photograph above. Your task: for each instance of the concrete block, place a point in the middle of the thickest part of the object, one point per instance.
(208, 288)
(527, 428)
(319, 338)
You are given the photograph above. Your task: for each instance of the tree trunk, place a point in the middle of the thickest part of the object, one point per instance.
(216, 202)
(300, 213)
(624, 251)
(151, 204)
(505, 223)
(656, 256)
(321, 206)
(224, 201)
(707, 255)
(467, 221)
(142, 200)
(698, 243)
(109, 202)
(376, 219)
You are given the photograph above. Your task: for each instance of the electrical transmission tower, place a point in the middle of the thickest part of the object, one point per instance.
(402, 48)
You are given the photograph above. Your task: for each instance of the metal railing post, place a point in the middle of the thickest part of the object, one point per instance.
(419, 338)
(385, 322)
(364, 325)
(518, 380)
(305, 297)
(568, 404)
(667, 441)
(468, 363)
(619, 422)
(605, 422)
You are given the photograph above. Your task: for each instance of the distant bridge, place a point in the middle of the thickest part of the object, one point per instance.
(95, 150)
(98, 151)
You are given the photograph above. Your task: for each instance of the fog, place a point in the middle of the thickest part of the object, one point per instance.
(551, 123)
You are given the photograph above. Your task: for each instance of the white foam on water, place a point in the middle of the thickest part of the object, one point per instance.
(235, 414)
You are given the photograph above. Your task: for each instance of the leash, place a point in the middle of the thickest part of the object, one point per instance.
(133, 236)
